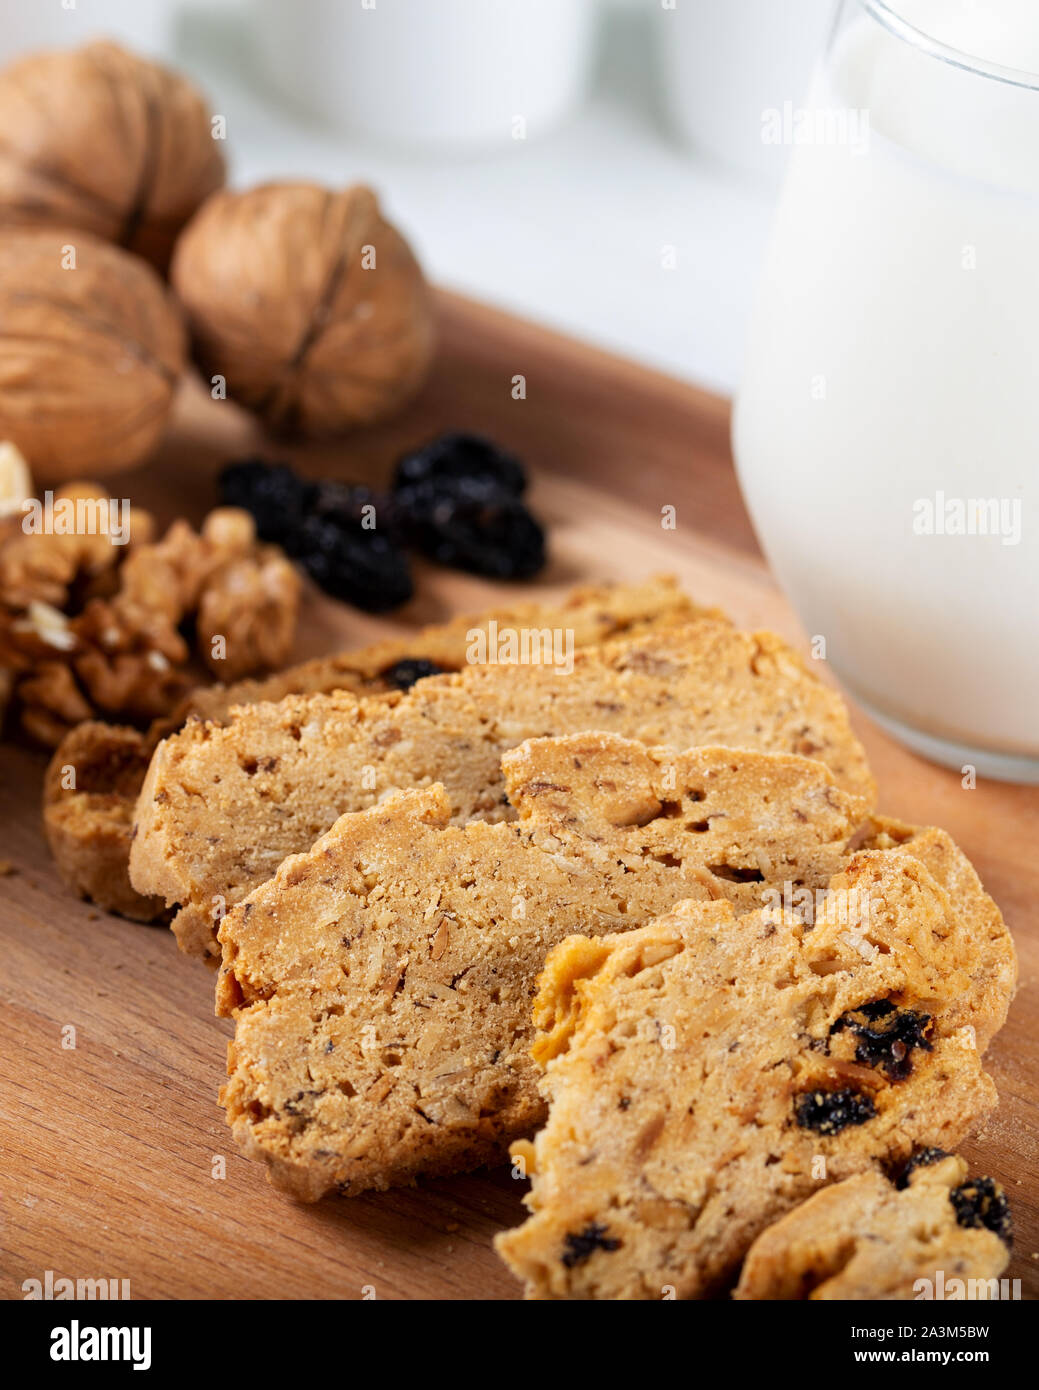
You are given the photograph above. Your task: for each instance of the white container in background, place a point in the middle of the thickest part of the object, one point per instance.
(887, 427)
(724, 64)
(446, 74)
(27, 25)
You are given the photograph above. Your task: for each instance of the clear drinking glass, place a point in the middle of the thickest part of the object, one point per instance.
(887, 429)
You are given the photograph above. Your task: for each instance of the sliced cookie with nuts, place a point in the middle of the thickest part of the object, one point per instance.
(382, 981)
(707, 1072)
(932, 1233)
(593, 614)
(88, 798)
(221, 807)
(89, 815)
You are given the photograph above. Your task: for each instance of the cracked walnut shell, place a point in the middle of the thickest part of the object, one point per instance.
(99, 139)
(308, 303)
(91, 349)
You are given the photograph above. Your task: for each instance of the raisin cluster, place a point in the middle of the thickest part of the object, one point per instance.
(457, 500)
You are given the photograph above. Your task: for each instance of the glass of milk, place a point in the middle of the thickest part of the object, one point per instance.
(887, 429)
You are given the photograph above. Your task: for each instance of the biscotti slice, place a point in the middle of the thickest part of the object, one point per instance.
(89, 792)
(592, 614)
(933, 1234)
(383, 980)
(89, 825)
(222, 806)
(707, 1072)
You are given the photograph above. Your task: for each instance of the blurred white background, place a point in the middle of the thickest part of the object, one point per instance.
(634, 213)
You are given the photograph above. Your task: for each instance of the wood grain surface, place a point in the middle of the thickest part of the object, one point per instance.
(107, 1149)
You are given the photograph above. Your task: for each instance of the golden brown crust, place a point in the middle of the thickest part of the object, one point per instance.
(92, 842)
(703, 1078)
(87, 814)
(221, 806)
(594, 613)
(866, 1239)
(383, 979)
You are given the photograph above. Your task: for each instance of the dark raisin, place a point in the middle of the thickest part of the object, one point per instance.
(403, 674)
(363, 567)
(272, 493)
(982, 1202)
(352, 504)
(887, 1035)
(465, 465)
(923, 1159)
(457, 500)
(828, 1112)
(499, 539)
(582, 1246)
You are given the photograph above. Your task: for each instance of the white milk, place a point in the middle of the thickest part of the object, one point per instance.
(893, 376)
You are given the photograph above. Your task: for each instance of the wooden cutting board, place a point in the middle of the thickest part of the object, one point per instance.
(108, 1150)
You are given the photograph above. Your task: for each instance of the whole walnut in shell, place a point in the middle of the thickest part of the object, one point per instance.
(91, 347)
(99, 139)
(309, 305)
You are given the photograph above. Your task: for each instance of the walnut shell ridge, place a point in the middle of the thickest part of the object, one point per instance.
(91, 350)
(309, 304)
(100, 139)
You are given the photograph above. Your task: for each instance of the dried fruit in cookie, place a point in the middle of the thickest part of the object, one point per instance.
(413, 945)
(867, 1239)
(713, 1029)
(697, 683)
(887, 1034)
(828, 1112)
(585, 1243)
(982, 1202)
(403, 674)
